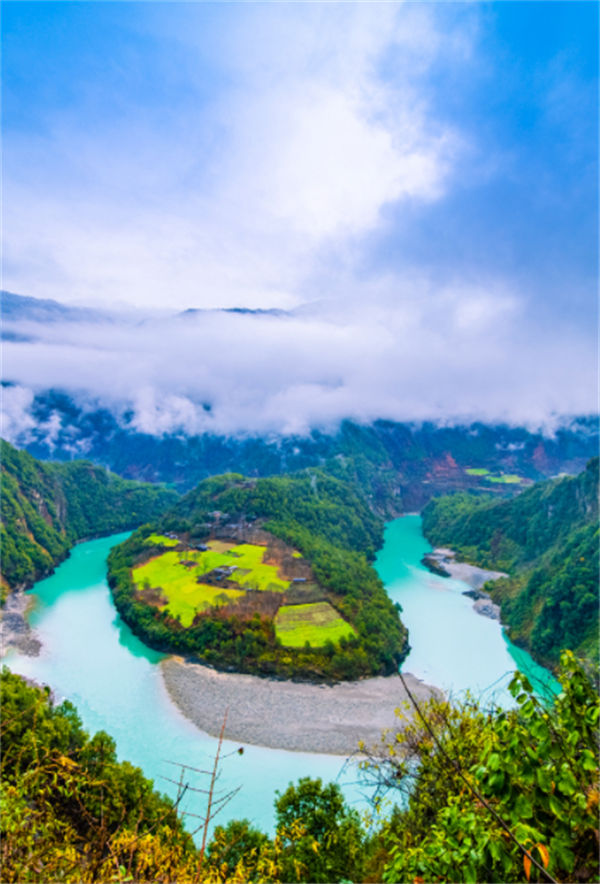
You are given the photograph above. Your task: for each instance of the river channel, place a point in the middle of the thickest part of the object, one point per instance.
(91, 657)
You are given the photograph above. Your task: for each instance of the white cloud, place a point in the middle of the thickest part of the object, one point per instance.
(448, 354)
(241, 199)
(15, 415)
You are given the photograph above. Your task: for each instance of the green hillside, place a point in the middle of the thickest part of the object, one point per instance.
(546, 539)
(311, 538)
(47, 507)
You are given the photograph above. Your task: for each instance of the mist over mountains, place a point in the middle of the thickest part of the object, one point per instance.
(236, 371)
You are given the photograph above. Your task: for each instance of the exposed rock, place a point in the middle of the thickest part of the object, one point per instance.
(487, 608)
(15, 631)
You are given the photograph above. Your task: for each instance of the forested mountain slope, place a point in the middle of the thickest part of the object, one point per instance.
(547, 540)
(311, 532)
(398, 465)
(46, 507)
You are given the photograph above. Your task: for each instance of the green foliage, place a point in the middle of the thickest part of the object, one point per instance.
(238, 844)
(336, 533)
(331, 846)
(71, 811)
(320, 504)
(490, 796)
(45, 508)
(547, 539)
(494, 793)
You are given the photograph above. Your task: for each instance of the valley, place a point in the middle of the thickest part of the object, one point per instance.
(299, 477)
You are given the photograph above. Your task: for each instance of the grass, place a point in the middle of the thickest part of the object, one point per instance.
(509, 479)
(316, 623)
(160, 540)
(477, 471)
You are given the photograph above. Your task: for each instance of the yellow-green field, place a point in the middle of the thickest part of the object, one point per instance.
(316, 623)
(251, 572)
(160, 540)
(506, 480)
(178, 582)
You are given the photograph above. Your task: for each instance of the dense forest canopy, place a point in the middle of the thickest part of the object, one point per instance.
(333, 529)
(547, 540)
(47, 507)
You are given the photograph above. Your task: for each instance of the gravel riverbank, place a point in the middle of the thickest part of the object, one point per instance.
(289, 715)
(15, 631)
(472, 575)
(443, 561)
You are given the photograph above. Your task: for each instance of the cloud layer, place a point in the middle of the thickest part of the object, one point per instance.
(247, 196)
(448, 355)
(413, 183)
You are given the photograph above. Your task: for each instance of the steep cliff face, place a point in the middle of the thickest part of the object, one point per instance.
(46, 507)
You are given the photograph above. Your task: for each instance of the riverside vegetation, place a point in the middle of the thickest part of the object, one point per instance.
(488, 795)
(546, 539)
(482, 794)
(312, 522)
(47, 507)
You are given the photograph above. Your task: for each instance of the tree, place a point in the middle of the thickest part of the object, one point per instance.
(331, 842)
(497, 795)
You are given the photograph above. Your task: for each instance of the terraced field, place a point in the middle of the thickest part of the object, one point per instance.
(315, 623)
(503, 479)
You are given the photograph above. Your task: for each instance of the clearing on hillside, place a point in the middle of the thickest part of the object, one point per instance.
(316, 623)
(161, 540)
(191, 580)
(477, 471)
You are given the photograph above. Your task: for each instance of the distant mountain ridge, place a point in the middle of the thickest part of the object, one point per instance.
(399, 465)
(19, 308)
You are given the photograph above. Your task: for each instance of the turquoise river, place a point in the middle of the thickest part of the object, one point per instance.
(90, 657)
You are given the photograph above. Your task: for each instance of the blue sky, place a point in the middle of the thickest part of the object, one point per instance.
(396, 159)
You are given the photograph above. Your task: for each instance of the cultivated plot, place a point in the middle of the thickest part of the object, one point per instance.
(192, 580)
(315, 623)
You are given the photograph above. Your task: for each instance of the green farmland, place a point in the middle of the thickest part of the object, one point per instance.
(176, 575)
(509, 479)
(315, 623)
